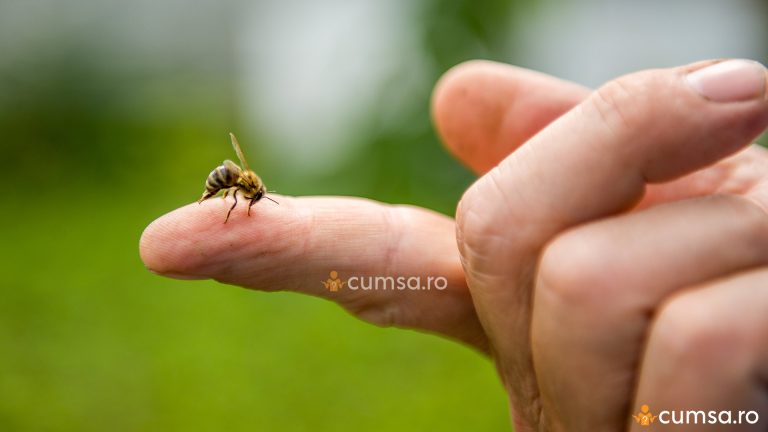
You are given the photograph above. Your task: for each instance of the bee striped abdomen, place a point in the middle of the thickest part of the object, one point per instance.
(223, 177)
(220, 178)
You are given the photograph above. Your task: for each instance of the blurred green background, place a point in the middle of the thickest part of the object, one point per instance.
(112, 113)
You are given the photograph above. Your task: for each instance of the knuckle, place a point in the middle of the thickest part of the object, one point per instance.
(575, 269)
(475, 235)
(618, 104)
(747, 225)
(477, 231)
(752, 219)
(492, 227)
(465, 218)
(688, 332)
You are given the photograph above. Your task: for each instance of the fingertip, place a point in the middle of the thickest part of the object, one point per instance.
(467, 108)
(484, 110)
(680, 129)
(194, 242)
(734, 80)
(457, 77)
(179, 242)
(161, 243)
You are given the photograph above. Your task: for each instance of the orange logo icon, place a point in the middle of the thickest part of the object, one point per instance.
(644, 417)
(333, 283)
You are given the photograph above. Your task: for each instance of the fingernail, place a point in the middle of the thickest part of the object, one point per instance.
(730, 81)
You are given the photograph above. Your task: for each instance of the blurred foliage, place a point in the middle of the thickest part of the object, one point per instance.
(98, 142)
(463, 30)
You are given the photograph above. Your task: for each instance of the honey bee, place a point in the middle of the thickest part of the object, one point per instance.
(231, 178)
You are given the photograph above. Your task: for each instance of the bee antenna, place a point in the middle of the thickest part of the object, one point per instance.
(271, 200)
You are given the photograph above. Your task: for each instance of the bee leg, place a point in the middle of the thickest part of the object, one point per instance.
(226, 192)
(231, 208)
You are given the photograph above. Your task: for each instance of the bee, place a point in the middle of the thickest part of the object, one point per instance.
(229, 177)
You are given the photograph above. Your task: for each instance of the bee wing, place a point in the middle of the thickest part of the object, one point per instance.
(239, 152)
(232, 167)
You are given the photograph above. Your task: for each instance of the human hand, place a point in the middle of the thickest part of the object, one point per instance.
(484, 111)
(609, 260)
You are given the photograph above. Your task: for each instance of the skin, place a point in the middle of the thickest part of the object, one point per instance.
(612, 253)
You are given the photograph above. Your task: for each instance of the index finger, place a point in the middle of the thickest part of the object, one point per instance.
(295, 246)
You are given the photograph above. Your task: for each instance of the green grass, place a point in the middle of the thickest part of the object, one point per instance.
(91, 341)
